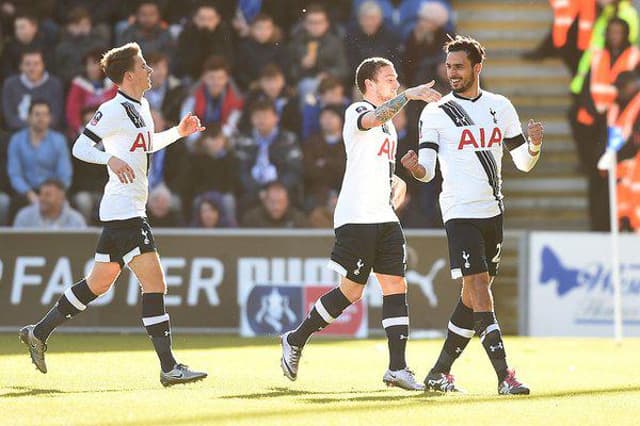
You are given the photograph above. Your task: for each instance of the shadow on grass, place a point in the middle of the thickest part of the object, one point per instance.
(372, 402)
(78, 343)
(24, 391)
(277, 392)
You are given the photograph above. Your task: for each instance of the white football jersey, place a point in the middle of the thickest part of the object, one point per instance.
(468, 136)
(365, 196)
(125, 127)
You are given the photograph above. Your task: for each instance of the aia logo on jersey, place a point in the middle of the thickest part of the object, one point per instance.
(96, 118)
(140, 142)
(388, 149)
(479, 139)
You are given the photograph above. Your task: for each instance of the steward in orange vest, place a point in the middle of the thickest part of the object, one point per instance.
(565, 12)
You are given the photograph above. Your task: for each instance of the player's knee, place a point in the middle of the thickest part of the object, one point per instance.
(353, 292)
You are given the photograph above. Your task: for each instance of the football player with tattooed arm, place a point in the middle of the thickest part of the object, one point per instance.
(466, 131)
(368, 233)
(124, 127)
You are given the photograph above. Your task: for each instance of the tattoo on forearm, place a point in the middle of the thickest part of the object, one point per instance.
(387, 110)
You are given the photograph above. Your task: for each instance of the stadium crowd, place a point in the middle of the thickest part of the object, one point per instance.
(270, 80)
(598, 42)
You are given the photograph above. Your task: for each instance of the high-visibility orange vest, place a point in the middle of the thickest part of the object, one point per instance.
(626, 119)
(604, 74)
(565, 12)
(628, 191)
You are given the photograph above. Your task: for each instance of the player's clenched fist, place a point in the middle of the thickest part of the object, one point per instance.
(410, 161)
(535, 130)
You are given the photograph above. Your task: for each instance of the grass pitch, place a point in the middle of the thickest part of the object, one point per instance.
(112, 379)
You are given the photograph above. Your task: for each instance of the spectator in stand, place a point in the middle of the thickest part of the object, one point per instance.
(89, 89)
(27, 38)
(167, 92)
(330, 92)
(324, 158)
(263, 47)
(5, 186)
(247, 12)
(588, 114)
(102, 14)
(420, 206)
(51, 211)
(401, 16)
(161, 171)
(315, 53)
(148, 30)
(207, 35)
(276, 210)
(211, 168)
(621, 9)
(322, 215)
(88, 180)
(34, 82)
(76, 42)
(570, 33)
(272, 87)
(423, 49)
(216, 100)
(370, 37)
(36, 154)
(268, 153)
(159, 209)
(208, 212)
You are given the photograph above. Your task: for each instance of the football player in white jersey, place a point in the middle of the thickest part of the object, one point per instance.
(368, 234)
(125, 127)
(466, 130)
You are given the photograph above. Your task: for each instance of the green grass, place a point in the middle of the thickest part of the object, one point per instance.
(110, 379)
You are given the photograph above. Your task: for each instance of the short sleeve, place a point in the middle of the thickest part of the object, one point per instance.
(512, 127)
(353, 117)
(428, 136)
(100, 126)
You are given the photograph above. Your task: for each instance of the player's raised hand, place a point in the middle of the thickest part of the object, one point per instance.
(190, 124)
(410, 160)
(424, 92)
(122, 170)
(535, 130)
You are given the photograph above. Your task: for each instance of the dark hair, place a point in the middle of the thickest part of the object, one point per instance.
(335, 109)
(77, 14)
(316, 8)
(270, 71)
(26, 15)
(119, 60)
(263, 105)
(95, 54)
(37, 102)
(262, 17)
(368, 69)
(216, 63)
(53, 182)
(275, 184)
(151, 2)
(474, 50)
(31, 51)
(156, 57)
(328, 83)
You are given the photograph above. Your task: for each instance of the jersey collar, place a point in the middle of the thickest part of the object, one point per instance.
(467, 99)
(129, 97)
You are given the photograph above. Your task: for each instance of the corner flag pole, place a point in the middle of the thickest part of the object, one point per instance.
(609, 161)
(615, 254)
